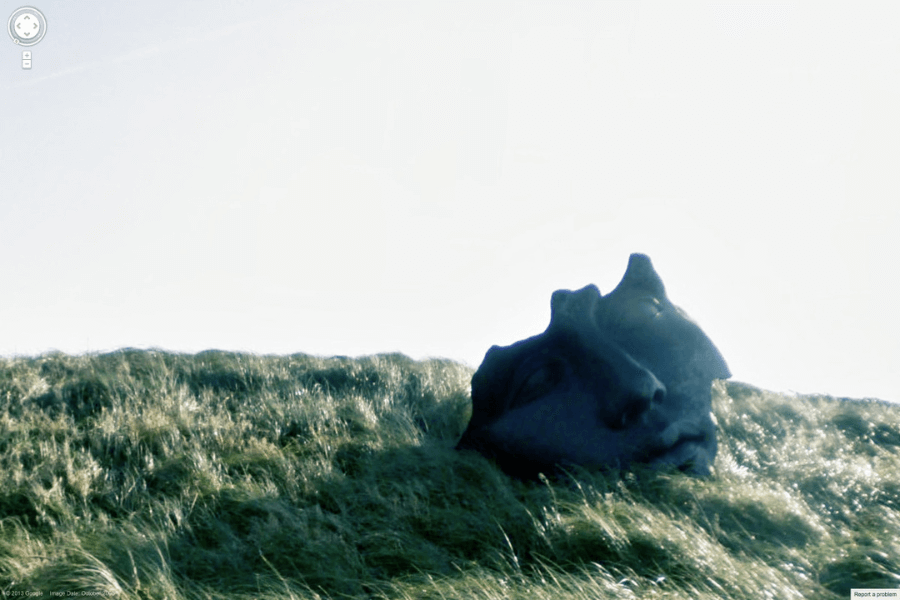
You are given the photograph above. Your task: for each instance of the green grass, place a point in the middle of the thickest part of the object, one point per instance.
(155, 475)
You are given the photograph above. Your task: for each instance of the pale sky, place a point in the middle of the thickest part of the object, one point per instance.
(361, 177)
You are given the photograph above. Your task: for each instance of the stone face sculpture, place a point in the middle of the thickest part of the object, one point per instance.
(614, 380)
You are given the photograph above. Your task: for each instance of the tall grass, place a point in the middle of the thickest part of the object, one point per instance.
(145, 474)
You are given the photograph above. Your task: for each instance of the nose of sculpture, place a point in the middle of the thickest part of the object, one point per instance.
(624, 389)
(639, 391)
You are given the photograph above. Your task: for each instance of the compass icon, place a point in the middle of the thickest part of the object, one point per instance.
(27, 26)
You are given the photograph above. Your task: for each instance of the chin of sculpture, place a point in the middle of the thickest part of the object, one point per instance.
(614, 381)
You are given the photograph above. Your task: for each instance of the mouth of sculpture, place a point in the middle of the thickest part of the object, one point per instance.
(661, 451)
(674, 445)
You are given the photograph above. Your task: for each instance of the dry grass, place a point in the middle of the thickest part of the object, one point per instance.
(142, 474)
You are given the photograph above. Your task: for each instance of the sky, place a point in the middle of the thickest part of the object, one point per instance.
(360, 177)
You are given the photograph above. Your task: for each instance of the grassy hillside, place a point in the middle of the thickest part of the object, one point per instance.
(153, 475)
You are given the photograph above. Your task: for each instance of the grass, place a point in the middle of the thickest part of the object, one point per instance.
(145, 474)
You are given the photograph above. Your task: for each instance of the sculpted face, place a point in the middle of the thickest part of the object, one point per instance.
(614, 380)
